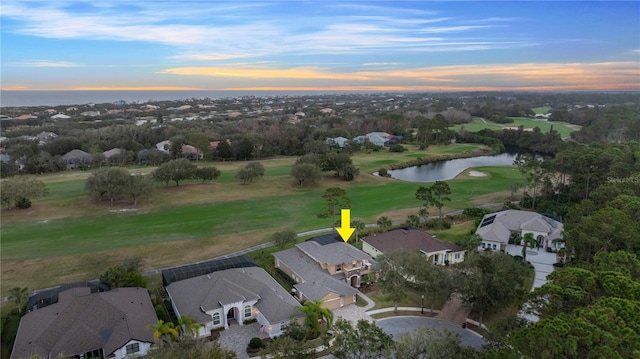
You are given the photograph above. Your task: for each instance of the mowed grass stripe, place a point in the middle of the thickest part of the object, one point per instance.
(298, 211)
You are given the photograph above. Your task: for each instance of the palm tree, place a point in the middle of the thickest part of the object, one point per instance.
(188, 326)
(314, 314)
(18, 294)
(358, 225)
(161, 330)
(413, 220)
(384, 222)
(528, 240)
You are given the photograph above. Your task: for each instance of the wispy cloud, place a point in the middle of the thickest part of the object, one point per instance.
(46, 63)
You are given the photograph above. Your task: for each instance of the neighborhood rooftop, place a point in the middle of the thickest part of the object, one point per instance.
(197, 269)
(409, 238)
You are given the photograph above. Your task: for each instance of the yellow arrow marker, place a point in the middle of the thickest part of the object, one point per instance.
(345, 229)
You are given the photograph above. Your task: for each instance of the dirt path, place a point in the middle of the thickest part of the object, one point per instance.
(454, 311)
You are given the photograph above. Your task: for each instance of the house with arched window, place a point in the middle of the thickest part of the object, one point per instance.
(510, 226)
(234, 296)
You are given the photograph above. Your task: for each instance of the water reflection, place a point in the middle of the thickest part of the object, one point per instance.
(445, 170)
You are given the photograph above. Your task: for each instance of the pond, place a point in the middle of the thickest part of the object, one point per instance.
(445, 170)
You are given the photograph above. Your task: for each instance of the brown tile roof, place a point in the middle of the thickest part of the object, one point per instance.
(81, 322)
(408, 239)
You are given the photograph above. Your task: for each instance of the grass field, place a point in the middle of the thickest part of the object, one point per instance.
(541, 110)
(563, 128)
(69, 237)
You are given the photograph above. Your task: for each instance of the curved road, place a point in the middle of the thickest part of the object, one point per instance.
(408, 324)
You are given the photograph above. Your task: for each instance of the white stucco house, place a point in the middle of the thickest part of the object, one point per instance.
(496, 229)
(233, 296)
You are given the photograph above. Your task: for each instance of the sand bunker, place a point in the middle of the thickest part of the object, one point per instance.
(477, 174)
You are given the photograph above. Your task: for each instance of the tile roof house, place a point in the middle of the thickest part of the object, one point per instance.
(224, 297)
(330, 271)
(76, 159)
(112, 152)
(496, 229)
(436, 251)
(381, 139)
(113, 324)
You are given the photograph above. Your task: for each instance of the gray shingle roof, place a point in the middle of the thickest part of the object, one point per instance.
(231, 285)
(512, 220)
(409, 239)
(317, 281)
(333, 253)
(81, 322)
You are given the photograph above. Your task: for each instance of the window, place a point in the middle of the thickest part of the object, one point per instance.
(216, 318)
(339, 268)
(435, 258)
(456, 256)
(247, 311)
(133, 348)
(495, 247)
(483, 244)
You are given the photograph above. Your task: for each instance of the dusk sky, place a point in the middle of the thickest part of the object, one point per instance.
(320, 45)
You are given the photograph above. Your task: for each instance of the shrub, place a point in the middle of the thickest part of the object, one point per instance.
(397, 148)
(558, 265)
(23, 203)
(475, 212)
(249, 321)
(383, 172)
(255, 343)
(285, 276)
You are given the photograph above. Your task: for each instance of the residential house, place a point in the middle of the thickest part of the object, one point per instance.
(113, 324)
(164, 146)
(497, 229)
(112, 152)
(436, 251)
(45, 136)
(381, 139)
(76, 159)
(232, 296)
(338, 141)
(191, 153)
(60, 116)
(325, 269)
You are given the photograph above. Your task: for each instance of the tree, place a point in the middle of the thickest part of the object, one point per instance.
(110, 182)
(189, 326)
(359, 226)
(384, 222)
(431, 279)
(140, 187)
(207, 173)
(413, 220)
(286, 347)
(282, 238)
(175, 170)
(250, 171)
(425, 195)
(314, 313)
(21, 189)
(432, 344)
(489, 281)
(440, 191)
(365, 341)
(528, 241)
(390, 280)
(336, 199)
(189, 347)
(120, 276)
(306, 172)
(18, 294)
(163, 331)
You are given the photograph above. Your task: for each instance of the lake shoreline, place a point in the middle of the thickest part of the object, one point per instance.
(441, 158)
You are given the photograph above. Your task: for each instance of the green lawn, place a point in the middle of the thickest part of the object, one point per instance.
(298, 210)
(563, 128)
(541, 110)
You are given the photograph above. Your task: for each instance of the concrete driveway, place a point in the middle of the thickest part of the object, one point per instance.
(541, 260)
(408, 324)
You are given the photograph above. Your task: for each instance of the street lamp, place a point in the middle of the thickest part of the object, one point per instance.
(422, 304)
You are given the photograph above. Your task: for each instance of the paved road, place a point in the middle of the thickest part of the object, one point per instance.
(408, 324)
